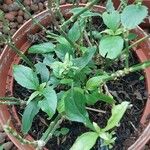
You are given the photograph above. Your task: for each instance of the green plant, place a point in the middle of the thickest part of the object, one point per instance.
(70, 62)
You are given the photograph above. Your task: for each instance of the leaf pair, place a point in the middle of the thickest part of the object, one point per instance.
(47, 101)
(112, 45)
(87, 140)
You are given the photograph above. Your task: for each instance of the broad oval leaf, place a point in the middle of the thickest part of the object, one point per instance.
(42, 48)
(116, 115)
(77, 30)
(109, 6)
(28, 115)
(43, 71)
(95, 96)
(25, 76)
(85, 142)
(95, 82)
(133, 15)
(111, 46)
(49, 103)
(112, 20)
(74, 101)
(81, 62)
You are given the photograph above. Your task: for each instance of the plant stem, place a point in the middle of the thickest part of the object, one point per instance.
(62, 32)
(9, 130)
(11, 101)
(121, 73)
(96, 110)
(73, 18)
(34, 19)
(52, 128)
(20, 54)
(139, 41)
(126, 34)
(59, 12)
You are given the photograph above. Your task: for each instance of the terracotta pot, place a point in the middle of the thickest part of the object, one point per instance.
(146, 23)
(8, 58)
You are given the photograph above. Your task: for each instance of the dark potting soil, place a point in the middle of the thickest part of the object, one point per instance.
(130, 88)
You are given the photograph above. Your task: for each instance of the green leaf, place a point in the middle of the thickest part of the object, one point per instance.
(109, 6)
(95, 82)
(81, 62)
(49, 103)
(132, 36)
(96, 96)
(77, 30)
(29, 113)
(75, 106)
(42, 48)
(1, 15)
(62, 131)
(61, 104)
(26, 77)
(116, 115)
(111, 46)
(85, 142)
(133, 15)
(112, 20)
(48, 59)
(43, 71)
(66, 81)
(32, 96)
(63, 47)
(1, 147)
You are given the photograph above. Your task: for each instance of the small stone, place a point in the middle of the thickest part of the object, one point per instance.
(62, 2)
(41, 6)
(12, 31)
(13, 7)
(8, 2)
(1, 128)
(13, 24)
(26, 16)
(2, 137)
(20, 13)
(5, 7)
(8, 146)
(28, 8)
(27, 2)
(34, 7)
(11, 15)
(83, 1)
(20, 19)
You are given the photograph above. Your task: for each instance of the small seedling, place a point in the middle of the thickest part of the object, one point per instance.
(70, 62)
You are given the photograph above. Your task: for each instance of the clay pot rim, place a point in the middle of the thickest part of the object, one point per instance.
(45, 13)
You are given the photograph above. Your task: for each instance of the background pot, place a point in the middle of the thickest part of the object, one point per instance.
(146, 23)
(8, 58)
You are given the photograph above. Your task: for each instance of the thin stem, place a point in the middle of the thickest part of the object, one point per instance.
(60, 15)
(126, 34)
(9, 130)
(62, 32)
(52, 127)
(96, 110)
(20, 54)
(139, 41)
(74, 17)
(11, 101)
(121, 73)
(36, 21)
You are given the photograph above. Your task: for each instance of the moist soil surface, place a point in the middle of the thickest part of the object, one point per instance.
(130, 88)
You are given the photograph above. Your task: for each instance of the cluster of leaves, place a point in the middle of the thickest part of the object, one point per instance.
(75, 70)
